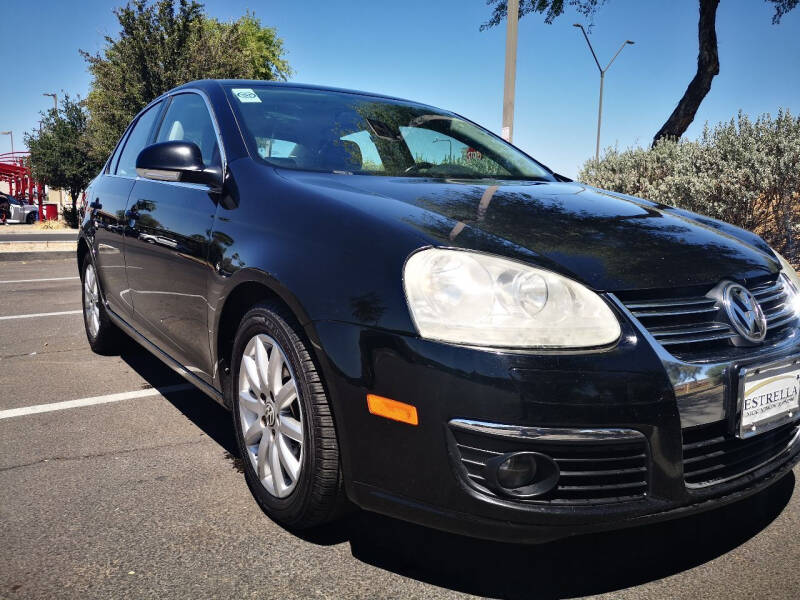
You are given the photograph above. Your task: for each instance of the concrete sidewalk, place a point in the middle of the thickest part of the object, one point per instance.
(24, 242)
(15, 230)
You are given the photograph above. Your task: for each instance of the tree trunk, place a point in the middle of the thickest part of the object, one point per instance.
(707, 68)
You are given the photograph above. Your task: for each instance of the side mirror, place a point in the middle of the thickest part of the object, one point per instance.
(176, 161)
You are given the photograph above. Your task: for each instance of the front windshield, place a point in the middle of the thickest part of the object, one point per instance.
(348, 133)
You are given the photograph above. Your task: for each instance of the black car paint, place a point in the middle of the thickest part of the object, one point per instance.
(332, 248)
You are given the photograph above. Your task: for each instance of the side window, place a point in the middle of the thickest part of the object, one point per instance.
(137, 139)
(112, 164)
(187, 119)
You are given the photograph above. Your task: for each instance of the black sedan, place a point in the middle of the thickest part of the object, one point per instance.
(407, 314)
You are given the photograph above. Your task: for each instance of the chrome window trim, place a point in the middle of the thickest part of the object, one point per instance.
(123, 140)
(170, 95)
(186, 184)
(214, 122)
(551, 434)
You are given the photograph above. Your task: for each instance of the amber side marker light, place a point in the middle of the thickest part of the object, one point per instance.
(392, 409)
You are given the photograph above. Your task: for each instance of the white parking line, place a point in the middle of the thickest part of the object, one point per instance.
(42, 408)
(35, 280)
(33, 315)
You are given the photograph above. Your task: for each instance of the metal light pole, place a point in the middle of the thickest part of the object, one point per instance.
(55, 100)
(449, 142)
(602, 79)
(11, 133)
(510, 78)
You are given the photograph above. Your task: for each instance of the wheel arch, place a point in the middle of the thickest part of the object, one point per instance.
(245, 289)
(82, 251)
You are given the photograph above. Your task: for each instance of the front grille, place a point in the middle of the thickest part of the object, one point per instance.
(711, 455)
(774, 301)
(591, 472)
(693, 323)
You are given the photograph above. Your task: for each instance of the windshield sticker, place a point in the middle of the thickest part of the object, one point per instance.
(245, 95)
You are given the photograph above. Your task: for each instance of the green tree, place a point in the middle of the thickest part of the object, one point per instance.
(163, 44)
(744, 171)
(59, 151)
(707, 56)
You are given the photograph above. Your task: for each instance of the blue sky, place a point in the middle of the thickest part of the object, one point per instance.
(433, 52)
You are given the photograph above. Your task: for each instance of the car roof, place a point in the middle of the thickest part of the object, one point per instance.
(206, 83)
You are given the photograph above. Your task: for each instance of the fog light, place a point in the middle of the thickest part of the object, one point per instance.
(522, 474)
(516, 471)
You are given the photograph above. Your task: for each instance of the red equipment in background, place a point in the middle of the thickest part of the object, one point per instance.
(50, 212)
(15, 172)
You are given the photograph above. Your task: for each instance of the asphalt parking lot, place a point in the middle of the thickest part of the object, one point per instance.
(136, 494)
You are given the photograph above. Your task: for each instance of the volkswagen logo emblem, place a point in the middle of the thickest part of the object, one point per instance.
(744, 313)
(269, 414)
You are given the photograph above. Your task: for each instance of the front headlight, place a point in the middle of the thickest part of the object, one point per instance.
(469, 298)
(794, 281)
(789, 271)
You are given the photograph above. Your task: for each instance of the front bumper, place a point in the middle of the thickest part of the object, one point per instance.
(417, 473)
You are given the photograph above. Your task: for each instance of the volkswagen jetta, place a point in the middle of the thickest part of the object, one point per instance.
(407, 314)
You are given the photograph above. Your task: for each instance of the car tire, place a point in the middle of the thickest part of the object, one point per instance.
(314, 495)
(31, 218)
(102, 334)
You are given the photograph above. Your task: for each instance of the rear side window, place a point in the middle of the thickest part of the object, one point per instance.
(112, 164)
(187, 119)
(137, 140)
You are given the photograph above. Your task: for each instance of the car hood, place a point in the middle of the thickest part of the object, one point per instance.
(607, 241)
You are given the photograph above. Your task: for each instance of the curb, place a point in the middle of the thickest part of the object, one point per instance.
(26, 256)
(22, 230)
(15, 247)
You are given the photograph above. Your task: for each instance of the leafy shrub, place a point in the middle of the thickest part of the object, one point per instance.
(72, 216)
(744, 172)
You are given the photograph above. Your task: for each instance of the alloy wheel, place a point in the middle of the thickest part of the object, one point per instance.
(91, 301)
(271, 415)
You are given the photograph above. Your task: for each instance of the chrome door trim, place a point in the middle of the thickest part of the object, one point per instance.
(186, 184)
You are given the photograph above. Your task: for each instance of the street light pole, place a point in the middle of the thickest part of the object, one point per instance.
(451, 146)
(602, 80)
(599, 117)
(510, 78)
(55, 100)
(11, 133)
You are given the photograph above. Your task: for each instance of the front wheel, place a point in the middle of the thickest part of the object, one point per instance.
(31, 218)
(284, 427)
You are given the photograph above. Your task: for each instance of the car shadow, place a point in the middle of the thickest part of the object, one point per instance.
(579, 566)
(201, 410)
(572, 567)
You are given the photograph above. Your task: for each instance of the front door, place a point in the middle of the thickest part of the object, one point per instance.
(166, 247)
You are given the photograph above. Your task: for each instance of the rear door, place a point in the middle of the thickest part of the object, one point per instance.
(166, 246)
(109, 197)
